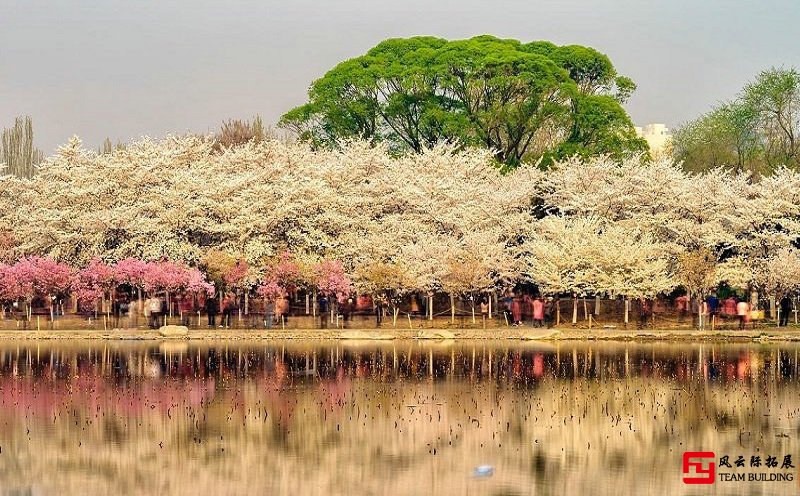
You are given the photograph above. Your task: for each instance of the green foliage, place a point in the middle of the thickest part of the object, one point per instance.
(755, 132)
(525, 101)
(17, 151)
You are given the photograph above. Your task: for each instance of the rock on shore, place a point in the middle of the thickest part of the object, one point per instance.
(173, 331)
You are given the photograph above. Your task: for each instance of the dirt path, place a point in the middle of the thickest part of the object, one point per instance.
(388, 333)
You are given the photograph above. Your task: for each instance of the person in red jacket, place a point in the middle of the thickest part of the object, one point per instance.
(538, 311)
(516, 310)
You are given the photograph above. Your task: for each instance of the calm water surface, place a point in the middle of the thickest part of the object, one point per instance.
(390, 418)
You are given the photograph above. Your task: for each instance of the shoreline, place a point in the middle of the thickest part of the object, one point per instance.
(391, 334)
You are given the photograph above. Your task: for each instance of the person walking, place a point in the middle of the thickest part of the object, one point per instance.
(507, 302)
(186, 308)
(414, 306)
(645, 312)
(282, 310)
(256, 311)
(786, 308)
(123, 307)
(682, 304)
(133, 313)
(212, 308)
(729, 307)
(348, 311)
(155, 312)
(227, 310)
(550, 311)
(538, 312)
(146, 310)
(742, 313)
(269, 313)
(323, 311)
(516, 310)
(379, 304)
(712, 306)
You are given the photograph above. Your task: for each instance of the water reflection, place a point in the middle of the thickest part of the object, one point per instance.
(397, 418)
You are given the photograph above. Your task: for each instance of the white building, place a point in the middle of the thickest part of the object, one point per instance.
(656, 135)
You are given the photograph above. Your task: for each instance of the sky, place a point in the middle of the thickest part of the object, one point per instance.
(124, 69)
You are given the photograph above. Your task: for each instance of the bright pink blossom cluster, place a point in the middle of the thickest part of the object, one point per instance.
(236, 276)
(34, 276)
(331, 280)
(328, 277)
(42, 276)
(93, 281)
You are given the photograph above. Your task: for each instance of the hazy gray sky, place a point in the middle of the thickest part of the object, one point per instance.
(124, 69)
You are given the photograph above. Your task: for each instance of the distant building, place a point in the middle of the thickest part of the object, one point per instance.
(657, 136)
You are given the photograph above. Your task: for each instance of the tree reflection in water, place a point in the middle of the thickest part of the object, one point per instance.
(397, 418)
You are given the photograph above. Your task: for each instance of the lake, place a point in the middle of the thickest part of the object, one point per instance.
(393, 418)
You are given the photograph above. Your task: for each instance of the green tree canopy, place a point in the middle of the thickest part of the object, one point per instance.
(523, 100)
(757, 131)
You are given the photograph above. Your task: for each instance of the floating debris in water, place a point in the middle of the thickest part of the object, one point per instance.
(483, 471)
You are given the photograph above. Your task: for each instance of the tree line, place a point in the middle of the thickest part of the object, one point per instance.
(446, 220)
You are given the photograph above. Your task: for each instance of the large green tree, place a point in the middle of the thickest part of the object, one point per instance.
(523, 100)
(757, 131)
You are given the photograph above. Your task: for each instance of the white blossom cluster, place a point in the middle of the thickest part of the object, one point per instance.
(443, 220)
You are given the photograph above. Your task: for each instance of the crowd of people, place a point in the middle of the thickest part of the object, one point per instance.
(220, 310)
(511, 308)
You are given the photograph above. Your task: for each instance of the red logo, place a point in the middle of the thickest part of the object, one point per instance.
(701, 474)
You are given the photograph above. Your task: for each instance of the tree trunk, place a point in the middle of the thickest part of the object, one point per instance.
(308, 303)
(627, 310)
(558, 311)
(597, 305)
(772, 309)
(574, 310)
(430, 307)
(452, 308)
(491, 295)
(314, 304)
(585, 310)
